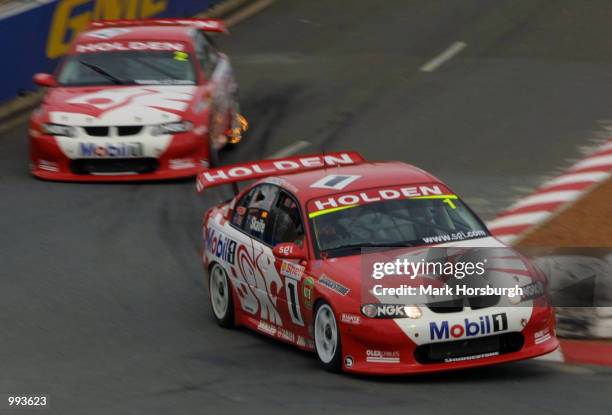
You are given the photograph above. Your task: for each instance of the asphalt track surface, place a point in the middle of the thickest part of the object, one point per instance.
(102, 307)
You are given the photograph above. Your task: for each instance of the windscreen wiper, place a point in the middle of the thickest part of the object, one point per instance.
(102, 72)
(369, 245)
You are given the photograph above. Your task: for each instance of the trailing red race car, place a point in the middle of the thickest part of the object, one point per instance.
(284, 258)
(136, 100)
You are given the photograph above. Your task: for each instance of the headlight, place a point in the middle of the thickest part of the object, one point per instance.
(172, 128)
(59, 129)
(391, 311)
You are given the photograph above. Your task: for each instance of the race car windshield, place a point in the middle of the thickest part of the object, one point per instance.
(408, 222)
(128, 68)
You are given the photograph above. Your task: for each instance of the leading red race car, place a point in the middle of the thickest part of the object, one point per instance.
(136, 100)
(284, 258)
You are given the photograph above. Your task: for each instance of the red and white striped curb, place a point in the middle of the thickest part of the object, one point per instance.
(553, 195)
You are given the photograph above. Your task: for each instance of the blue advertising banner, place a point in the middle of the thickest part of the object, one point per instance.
(35, 39)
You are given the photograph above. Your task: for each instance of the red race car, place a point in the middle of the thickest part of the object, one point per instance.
(136, 100)
(285, 258)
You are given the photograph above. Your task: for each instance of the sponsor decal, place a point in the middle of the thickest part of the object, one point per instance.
(333, 285)
(132, 149)
(257, 225)
(485, 325)
(348, 361)
(265, 168)
(300, 341)
(473, 357)
(541, 336)
(48, 165)
(107, 33)
(335, 181)
(384, 310)
(349, 318)
(177, 164)
(133, 45)
(291, 270)
(307, 292)
(348, 200)
(382, 356)
(286, 335)
(267, 328)
(280, 333)
(221, 246)
(532, 290)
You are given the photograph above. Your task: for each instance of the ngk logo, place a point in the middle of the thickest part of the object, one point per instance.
(483, 326)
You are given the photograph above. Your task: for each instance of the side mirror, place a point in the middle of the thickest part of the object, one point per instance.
(45, 79)
(289, 250)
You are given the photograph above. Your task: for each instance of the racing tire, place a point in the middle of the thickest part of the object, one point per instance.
(220, 296)
(327, 338)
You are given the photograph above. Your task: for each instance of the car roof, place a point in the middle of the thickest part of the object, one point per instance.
(139, 33)
(371, 174)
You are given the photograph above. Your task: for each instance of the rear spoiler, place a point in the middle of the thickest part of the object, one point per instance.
(208, 25)
(274, 167)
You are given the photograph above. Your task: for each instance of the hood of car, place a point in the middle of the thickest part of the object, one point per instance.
(346, 275)
(118, 105)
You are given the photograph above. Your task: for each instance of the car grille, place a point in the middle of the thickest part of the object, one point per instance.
(457, 305)
(124, 130)
(464, 349)
(132, 165)
(97, 131)
(129, 130)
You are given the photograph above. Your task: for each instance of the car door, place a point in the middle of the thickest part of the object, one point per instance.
(257, 269)
(284, 224)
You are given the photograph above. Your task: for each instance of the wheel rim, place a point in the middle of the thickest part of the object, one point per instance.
(219, 292)
(326, 333)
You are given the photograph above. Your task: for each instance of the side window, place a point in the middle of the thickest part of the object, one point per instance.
(206, 53)
(252, 214)
(241, 208)
(286, 224)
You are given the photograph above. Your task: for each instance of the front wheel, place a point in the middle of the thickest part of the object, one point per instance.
(220, 296)
(327, 338)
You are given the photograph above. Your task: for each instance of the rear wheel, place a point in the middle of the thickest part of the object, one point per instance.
(220, 296)
(327, 338)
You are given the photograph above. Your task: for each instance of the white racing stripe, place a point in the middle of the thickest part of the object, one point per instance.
(448, 54)
(549, 197)
(518, 219)
(594, 176)
(598, 161)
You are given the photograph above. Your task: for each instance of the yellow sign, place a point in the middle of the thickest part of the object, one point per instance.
(72, 16)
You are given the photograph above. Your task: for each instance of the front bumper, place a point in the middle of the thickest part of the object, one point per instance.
(185, 156)
(378, 347)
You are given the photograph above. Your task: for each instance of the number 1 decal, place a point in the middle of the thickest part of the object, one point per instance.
(293, 302)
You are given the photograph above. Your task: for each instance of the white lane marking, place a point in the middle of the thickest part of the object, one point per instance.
(594, 162)
(594, 176)
(448, 54)
(548, 197)
(518, 219)
(289, 150)
(247, 12)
